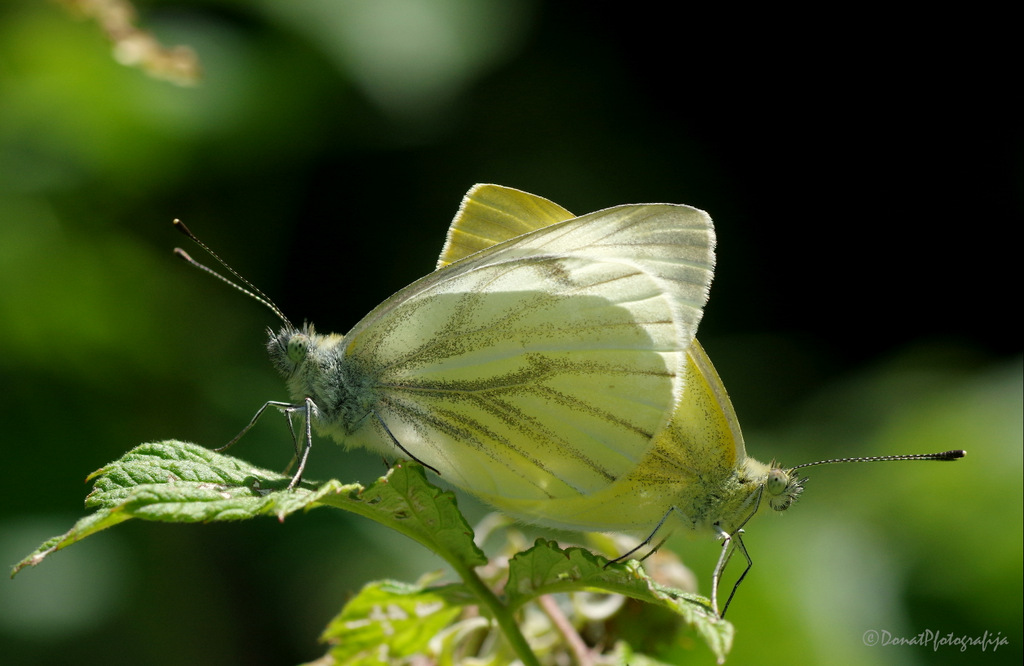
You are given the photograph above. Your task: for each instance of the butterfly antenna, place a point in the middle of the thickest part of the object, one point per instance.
(246, 287)
(945, 455)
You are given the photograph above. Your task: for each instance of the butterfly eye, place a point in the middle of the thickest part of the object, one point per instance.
(298, 344)
(777, 482)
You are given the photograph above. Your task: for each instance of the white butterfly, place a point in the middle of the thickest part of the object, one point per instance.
(549, 366)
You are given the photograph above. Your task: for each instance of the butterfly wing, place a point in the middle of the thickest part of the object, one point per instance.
(690, 466)
(492, 214)
(541, 366)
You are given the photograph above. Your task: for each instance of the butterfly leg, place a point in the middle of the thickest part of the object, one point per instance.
(723, 559)
(394, 440)
(731, 543)
(295, 439)
(647, 541)
(247, 428)
(308, 408)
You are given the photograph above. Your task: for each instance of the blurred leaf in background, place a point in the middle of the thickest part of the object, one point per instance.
(864, 174)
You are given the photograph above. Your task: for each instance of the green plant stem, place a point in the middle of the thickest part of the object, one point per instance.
(499, 611)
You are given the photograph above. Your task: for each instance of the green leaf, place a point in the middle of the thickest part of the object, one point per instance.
(546, 569)
(184, 483)
(388, 621)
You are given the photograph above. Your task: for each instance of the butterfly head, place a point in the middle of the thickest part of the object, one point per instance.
(782, 487)
(758, 487)
(289, 347)
(310, 364)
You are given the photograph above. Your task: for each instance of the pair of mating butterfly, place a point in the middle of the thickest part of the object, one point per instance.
(549, 366)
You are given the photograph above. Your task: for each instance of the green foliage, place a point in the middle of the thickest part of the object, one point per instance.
(516, 595)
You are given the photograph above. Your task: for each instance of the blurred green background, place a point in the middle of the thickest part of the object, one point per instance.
(864, 172)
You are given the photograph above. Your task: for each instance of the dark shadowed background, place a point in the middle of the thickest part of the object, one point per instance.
(864, 171)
